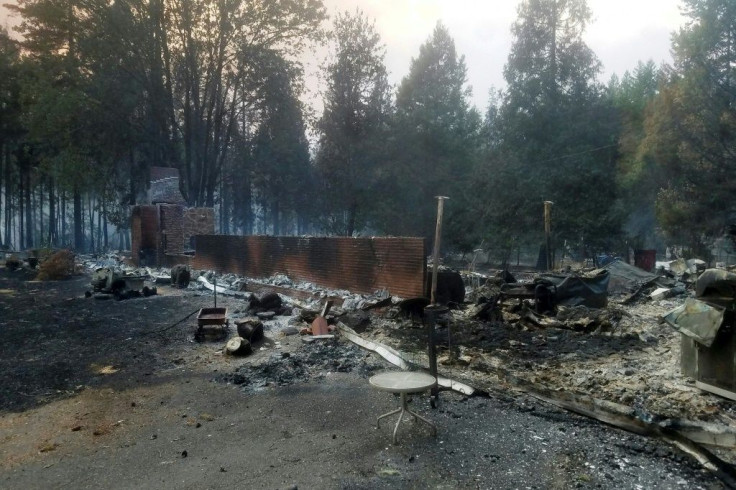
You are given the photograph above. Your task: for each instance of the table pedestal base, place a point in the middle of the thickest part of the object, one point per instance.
(401, 411)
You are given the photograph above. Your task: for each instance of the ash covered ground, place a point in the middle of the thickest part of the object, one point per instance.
(311, 362)
(94, 384)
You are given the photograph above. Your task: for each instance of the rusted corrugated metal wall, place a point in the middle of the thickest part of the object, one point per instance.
(361, 265)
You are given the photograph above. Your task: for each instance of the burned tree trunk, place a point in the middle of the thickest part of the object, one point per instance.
(28, 207)
(351, 219)
(3, 161)
(52, 213)
(63, 217)
(90, 210)
(78, 231)
(40, 211)
(275, 217)
(104, 223)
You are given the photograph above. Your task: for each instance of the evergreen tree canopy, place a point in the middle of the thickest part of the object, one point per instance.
(354, 123)
(437, 136)
(557, 139)
(691, 129)
(280, 147)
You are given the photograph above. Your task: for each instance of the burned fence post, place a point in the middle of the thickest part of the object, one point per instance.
(547, 232)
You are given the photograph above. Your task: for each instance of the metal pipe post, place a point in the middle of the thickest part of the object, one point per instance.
(429, 320)
(436, 253)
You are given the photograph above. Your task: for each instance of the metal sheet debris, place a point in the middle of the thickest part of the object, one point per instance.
(717, 285)
(696, 319)
(625, 278)
(569, 290)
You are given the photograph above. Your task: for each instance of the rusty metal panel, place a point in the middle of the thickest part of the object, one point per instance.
(360, 265)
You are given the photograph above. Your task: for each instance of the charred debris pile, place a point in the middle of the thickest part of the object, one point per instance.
(604, 332)
(658, 347)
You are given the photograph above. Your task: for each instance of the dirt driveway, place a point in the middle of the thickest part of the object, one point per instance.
(107, 394)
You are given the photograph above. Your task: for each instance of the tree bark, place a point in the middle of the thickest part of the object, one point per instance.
(40, 213)
(91, 211)
(104, 222)
(3, 161)
(63, 218)
(276, 218)
(352, 211)
(8, 198)
(246, 210)
(21, 212)
(78, 230)
(224, 207)
(29, 209)
(99, 230)
(52, 213)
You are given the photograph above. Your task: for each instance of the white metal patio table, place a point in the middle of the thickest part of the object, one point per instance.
(404, 382)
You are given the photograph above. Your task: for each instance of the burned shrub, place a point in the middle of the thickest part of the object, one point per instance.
(58, 266)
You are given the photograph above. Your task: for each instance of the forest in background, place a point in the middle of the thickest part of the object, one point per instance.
(97, 92)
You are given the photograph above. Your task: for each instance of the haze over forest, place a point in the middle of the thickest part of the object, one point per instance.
(96, 93)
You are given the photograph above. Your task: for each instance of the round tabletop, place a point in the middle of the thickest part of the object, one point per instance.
(402, 381)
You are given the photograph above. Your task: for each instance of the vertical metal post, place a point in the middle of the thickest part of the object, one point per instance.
(548, 232)
(431, 312)
(436, 253)
(429, 318)
(214, 279)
